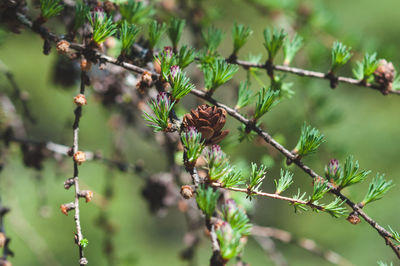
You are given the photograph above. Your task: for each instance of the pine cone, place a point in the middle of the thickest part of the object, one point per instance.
(384, 74)
(208, 121)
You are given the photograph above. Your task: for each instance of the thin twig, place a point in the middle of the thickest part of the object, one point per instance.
(304, 243)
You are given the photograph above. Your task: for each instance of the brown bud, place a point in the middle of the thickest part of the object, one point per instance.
(384, 74)
(85, 64)
(87, 194)
(69, 183)
(108, 6)
(209, 121)
(146, 78)
(80, 100)
(353, 218)
(3, 240)
(63, 47)
(79, 157)
(187, 191)
(65, 208)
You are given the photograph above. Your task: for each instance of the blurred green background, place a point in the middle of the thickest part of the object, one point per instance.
(354, 120)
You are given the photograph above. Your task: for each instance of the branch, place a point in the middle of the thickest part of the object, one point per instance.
(304, 243)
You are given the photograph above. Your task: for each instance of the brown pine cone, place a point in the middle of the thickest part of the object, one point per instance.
(384, 73)
(208, 121)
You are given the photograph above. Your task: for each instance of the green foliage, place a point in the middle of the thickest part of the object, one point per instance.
(50, 8)
(290, 48)
(257, 176)
(218, 73)
(335, 208)
(229, 241)
(180, 84)
(156, 30)
(350, 174)
(240, 35)
(365, 69)
(161, 107)
(245, 134)
(310, 139)
(185, 56)
(273, 41)
(232, 178)
(217, 163)
(377, 188)
(236, 217)
(167, 59)
(266, 99)
(103, 26)
(175, 31)
(128, 35)
(212, 39)
(284, 182)
(136, 12)
(340, 55)
(207, 199)
(244, 95)
(319, 190)
(193, 143)
(81, 11)
(381, 263)
(84, 242)
(395, 234)
(299, 206)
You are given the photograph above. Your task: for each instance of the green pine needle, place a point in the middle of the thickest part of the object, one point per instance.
(218, 73)
(365, 69)
(273, 41)
(291, 47)
(103, 26)
(212, 39)
(185, 56)
(217, 163)
(136, 12)
(161, 107)
(156, 31)
(180, 86)
(335, 208)
(175, 31)
(244, 95)
(350, 174)
(319, 190)
(284, 182)
(257, 176)
(81, 11)
(240, 35)
(50, 8)
(310, 140)
(377, 188)
(236, 217)
(128, 35)
(207, 199)
(193, 143)
(340, 55)
(265, 101)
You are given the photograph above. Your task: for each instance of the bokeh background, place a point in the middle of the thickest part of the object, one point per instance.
(354, 120)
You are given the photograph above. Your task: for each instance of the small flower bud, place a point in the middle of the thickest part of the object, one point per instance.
(3, 240)
(353, 218)
(63, 47)
(187, 191)
(87, 194)
(79, 157)
(384, 75)
(69, 183)
(174, 71)
(85, 64)
(146, 78)
(80, 100)
(83, 261)
(65, 208)
(333, 170)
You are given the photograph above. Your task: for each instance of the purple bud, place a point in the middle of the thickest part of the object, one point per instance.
(162, 98)
(230, 207)
(332, 170)
(99, 12)
(168, 51)
(174, 71)
(226, 231)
